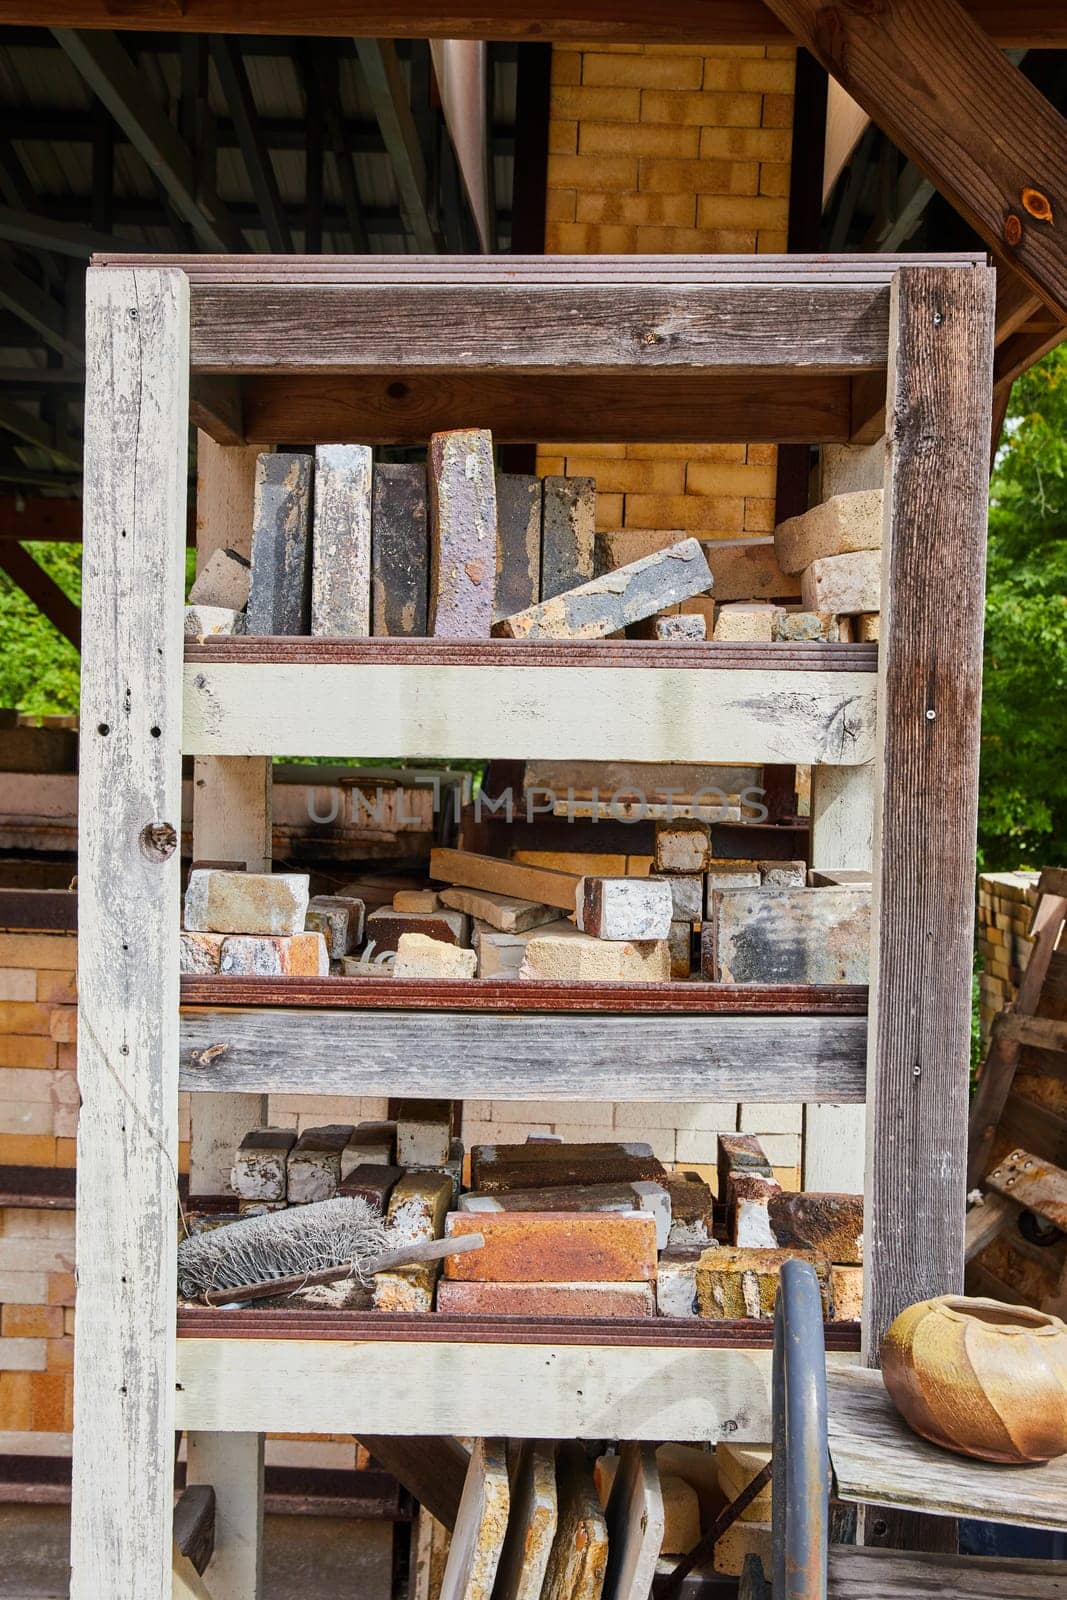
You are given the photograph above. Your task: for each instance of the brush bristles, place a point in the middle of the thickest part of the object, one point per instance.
(281, 1244)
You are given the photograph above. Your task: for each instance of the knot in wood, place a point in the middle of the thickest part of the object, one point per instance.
(158, 841)
(1013, 229)
(647, 336)
(1037, 204)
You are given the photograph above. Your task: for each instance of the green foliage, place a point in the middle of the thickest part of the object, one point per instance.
(39, 669)
(1023, 802)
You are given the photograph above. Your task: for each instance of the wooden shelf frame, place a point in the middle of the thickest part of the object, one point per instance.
(654, 355)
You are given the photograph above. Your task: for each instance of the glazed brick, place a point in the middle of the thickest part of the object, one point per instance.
(551, 1247)
(545, 1299)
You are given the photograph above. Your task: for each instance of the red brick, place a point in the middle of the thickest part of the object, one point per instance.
(546, 1299)
(555, 1247)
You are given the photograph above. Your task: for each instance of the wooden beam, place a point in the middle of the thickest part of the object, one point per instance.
(968, 118)
(22, 424)
(233, 76)
(137, 408)
(107, 68)
(322, 79)
(39, 232)
(216, 406)
(38, 309)
(926, 787)
(746, 22)
(43, 590)
(388, 90)
(431, 1469)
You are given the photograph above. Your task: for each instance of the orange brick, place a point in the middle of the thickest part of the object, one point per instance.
(560, 205)
(652, 477)
(66, 1152)
(48, 1391)
(772, 242)
(687, 511)
(572, 171)
(781, 52)
(774, 177)
(771, 78)
(719, 478)
(610, 510)
(759, 516)
(744, 177)
(53, 950)
(56, 988)
(636, 139)
(27, 1050)
(60, 1355)
(728, 241)
(68, 1319)
(554, 1247)
(566, 67)
(183, 1155)
(562, 138)
(695, 241)
(753, 144)
(23, 1016)
(27, 1150)
(778, 111)
(590, 104)
(61, 1288)
(643, 71)
(722, 72)
(741, 211)
(688, 452)
(67, 1057)
(587, 238)
(701, 110)
(675, 210)
(63, 1024)
(551, 466)
(666, 175)
(31, 1322)
(762, 454)
(16, 1402)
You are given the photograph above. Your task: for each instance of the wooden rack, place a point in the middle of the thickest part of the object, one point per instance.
(783, 349)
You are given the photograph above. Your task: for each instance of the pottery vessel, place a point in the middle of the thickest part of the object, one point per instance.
(980, 1377)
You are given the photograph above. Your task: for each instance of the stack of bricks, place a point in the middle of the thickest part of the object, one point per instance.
(673, 150)
(1006, 904)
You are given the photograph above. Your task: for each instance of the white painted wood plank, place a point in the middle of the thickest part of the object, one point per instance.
(532, 1520)
(518, 1391)
(136, 433)
(558, 713)
(475, 1055)
(635, 1525)
(481, 1525)
(233, 1464)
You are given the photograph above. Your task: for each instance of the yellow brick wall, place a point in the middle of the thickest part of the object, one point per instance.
(676, 151)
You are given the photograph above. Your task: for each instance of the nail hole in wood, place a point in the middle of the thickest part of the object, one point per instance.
(102, 728)
(155, 732)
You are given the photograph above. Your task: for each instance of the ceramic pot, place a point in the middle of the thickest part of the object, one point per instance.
(982, 1378)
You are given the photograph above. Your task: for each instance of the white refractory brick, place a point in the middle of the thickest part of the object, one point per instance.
(419, 1205)
(846, 585)
(18, 983)
(419, 956)
(265, 955)
(372, 1144)
(259, 1166)
(687, 895)
(217, 901)
(223, 581)
(503, 912)
(340, 561)
(683, 845)
(840, 526)
(208, 622)
(868, 627)
(676, 1283)
(624, 908)
(200, 952)
(730, 875)
(568, 534)
(423, 1133)
(421, 900)
(783, 874)
(339, 918)
(688, 626)
(791, 626)
(606, 604)
(763, 1116)
(680, 946)
(580, 958)
(787, 936)
(751, 623)
(462, 534)
(314, 1163)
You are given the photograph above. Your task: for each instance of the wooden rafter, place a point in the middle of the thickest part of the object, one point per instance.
(945, 94)
(45, 593)
(388, 91)
(233, 76)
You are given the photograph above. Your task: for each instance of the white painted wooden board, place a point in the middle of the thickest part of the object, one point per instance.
(515, 1390)
(481, 1525)
(559, 713)
(635, 1524)
(878, 1460)
(136, 461)
(233, 1464)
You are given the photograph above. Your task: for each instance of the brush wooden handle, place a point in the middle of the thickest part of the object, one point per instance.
(407, 1255)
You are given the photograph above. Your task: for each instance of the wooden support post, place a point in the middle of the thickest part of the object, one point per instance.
(926, 785)
(231, 822)
(233, 1464)
(137, 406)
